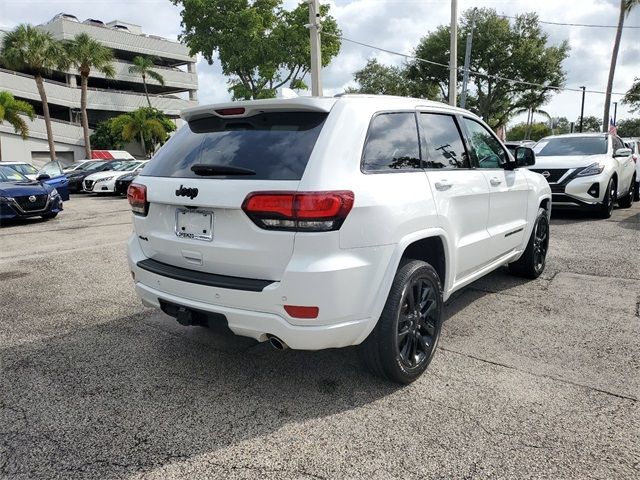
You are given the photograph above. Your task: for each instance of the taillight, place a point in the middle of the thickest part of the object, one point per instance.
(295, 311)
(137, 196)
(299, 211)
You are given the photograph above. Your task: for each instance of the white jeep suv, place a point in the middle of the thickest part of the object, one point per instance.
(327, 222)
(588, 171)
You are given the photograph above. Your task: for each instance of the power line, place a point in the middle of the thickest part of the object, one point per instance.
(591, 25)
(471, 72)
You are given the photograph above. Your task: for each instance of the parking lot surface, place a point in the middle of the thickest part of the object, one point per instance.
(533, 379)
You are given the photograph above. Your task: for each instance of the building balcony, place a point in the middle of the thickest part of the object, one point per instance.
(63, 132)
(174, 78)
(24, 86)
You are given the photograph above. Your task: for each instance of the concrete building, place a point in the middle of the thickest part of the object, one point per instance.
(106, 97)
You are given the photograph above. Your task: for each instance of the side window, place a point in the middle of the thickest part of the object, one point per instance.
(617, 143)
(441, 142)
(392, 143)
(488, 150)
(52, 169)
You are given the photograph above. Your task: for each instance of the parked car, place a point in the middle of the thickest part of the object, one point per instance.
(588, 171)
(77, 176)
(122, 183)
(50, 174)
(634, 145)
(22, 198)
(105, 181)
(327, 222)
(77, 165)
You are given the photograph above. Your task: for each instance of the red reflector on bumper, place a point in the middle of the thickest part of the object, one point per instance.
(301, 312)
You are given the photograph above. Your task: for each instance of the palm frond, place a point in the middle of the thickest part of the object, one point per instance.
(156, 76)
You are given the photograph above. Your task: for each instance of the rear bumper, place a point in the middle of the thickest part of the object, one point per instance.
(346, 295)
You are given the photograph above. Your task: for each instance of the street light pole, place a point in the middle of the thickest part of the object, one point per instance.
(316, 57)
(582, 108)
(467, 62)
(453, 63)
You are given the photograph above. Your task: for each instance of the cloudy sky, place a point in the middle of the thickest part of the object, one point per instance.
(395, 25)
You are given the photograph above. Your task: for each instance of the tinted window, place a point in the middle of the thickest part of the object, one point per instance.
(392, 143)
(487, 148)
(94, 166)
(565, 146)
(276, 146)
(441, 142)
(8, 174)
(25, 169)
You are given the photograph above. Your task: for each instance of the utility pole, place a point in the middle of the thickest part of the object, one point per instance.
(467, 62)
(316, 57)
(582, 109)
(453, 59)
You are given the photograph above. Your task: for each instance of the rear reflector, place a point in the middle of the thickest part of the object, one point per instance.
(137, 196)
(301, 312)
(230, 111)
(299, 211)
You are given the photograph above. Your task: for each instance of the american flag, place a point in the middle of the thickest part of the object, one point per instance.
(612, 127)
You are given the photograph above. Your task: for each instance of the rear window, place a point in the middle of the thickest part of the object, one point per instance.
(276, 146)
(568, 146)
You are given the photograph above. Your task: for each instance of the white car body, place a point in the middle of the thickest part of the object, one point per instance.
(564, 173)
(105, 182)
(634, 145)
(482, 218)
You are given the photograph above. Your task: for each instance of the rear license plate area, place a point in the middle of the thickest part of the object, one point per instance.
(194, 223)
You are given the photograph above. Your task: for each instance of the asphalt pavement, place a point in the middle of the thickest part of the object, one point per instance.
(532, 379)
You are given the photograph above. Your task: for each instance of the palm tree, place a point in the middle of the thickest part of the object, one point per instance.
(11, 111)
(85, 54)
(625, 8)
(27, 48)
(144, 66)
(141, 124)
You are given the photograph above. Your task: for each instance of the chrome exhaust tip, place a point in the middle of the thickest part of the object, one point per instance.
(276, 343)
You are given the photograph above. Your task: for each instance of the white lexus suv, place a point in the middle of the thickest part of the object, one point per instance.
(327, 222)
(588, 171)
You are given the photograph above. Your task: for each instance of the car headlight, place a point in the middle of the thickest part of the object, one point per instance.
(53, 194)
(105, 179)
(593, 169)
(6, 199)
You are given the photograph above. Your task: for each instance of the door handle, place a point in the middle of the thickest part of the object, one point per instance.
(442, 185)
(495, 181)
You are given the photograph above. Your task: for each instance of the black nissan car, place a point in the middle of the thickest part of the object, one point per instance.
(77, 176)
(122, 184)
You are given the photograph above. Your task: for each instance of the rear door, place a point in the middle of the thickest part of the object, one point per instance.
(195, 218)
(461, 192)
(509, 189)
(626, 166)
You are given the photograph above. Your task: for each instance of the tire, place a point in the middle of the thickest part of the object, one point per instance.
(606, 208)
(636, 194)
(402, 344)
(532, 262)
(627, 201)
(48, 216)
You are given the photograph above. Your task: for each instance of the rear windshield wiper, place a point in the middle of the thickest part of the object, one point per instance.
(205, 170)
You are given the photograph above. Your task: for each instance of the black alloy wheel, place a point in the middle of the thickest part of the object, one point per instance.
(417, 323)
(540, 243)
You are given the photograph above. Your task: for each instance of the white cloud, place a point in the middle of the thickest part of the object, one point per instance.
(395, 25)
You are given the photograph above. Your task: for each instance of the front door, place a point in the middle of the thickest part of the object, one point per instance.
(509, 190)
(57, 179)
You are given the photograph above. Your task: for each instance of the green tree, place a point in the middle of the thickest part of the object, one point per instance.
(519, 51)
(625, 8)
(31, 49)
(103, 137)
(589, 124)
(86, 54)
(629, 127)
(535, 131)
(147, 125)
(11, 111)
(632, 97)
(378, 79)
(143, 66)
(261, 46)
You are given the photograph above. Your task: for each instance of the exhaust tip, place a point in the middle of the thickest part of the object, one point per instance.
(277, 343)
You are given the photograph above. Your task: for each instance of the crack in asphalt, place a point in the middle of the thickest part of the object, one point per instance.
(542, 375)
(63, 229)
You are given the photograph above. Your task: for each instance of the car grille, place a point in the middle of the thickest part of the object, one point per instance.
(555, 174)
(29, 206)
(88, 184)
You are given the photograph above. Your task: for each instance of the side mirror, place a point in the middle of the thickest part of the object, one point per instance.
(42, 177)
(622, 152)
(525, 157)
